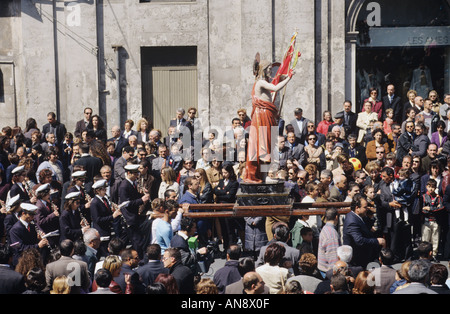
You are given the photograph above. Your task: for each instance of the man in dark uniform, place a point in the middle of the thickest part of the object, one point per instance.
(72, 224)
(47, 215)
(24, 234)
(91, 164)
(103, 214)
(79, 185)
(18, 177)
(138, 227)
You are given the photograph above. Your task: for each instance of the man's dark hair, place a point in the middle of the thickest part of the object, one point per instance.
(389, 171)
(187, 224)
(90, 133)
(234, 251)
(128, 149)
(175, 253)
(126, 254)
(356, 201)
(387, 256)
(188, 181)
(145, 163)
(247, 264)
(305, 230)
(66, 247)
(339, 282)
(170, 205)
(438, 274)
(331, 214)
(5, 253)
(424, 249)
(281, 233)
(115, 246)
(162, 145)
(103, 278)
(84, 148)
(168, 192)
(154, 252)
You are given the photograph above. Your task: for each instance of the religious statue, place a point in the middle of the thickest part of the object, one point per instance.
(264, 116)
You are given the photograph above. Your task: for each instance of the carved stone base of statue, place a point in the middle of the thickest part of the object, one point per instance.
(263, 194)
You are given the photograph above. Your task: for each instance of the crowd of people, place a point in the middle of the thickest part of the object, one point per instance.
(116, 206)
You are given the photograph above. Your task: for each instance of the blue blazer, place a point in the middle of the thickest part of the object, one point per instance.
(361, 239)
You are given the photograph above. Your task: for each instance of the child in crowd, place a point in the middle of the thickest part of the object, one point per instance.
(432, 207)
(369, 192)
(387, 125)
(391, 162)
(403, 193)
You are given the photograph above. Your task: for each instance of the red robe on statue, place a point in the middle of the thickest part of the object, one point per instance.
(264, 116)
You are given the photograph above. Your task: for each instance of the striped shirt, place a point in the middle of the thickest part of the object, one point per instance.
(329, 241)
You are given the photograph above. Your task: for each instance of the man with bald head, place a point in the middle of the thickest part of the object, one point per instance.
(339, 268)
(392, 101)
(155, 136)
(253, 283)
(119, 141)
(418, 104)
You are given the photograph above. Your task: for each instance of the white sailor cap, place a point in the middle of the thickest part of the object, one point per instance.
(18, 169)
(132, 168)
(29, 207)
(79, 174)
(73, 195)
(43, 188)
(13, 201)
(99, 184)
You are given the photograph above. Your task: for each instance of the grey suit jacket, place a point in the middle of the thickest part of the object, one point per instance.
(119, 169)
(67, 266)
(415, 288)
(79, 128)
(384, 279)
(300, 133)
(298, 153)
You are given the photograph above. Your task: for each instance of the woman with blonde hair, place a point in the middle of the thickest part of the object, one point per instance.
(206, 193)
(169, 182)
(206, 286)
(143, 130)
(113, 263)
(60, 285)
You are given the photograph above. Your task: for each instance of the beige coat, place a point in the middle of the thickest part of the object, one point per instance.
(363, 123)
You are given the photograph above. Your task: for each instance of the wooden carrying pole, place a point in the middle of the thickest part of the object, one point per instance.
(231, 210)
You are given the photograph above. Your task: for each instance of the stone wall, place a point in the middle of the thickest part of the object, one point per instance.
(77, 65)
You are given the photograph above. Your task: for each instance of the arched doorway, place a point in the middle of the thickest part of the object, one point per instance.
(405, 43)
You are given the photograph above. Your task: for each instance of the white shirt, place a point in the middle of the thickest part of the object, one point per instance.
(300, 125)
